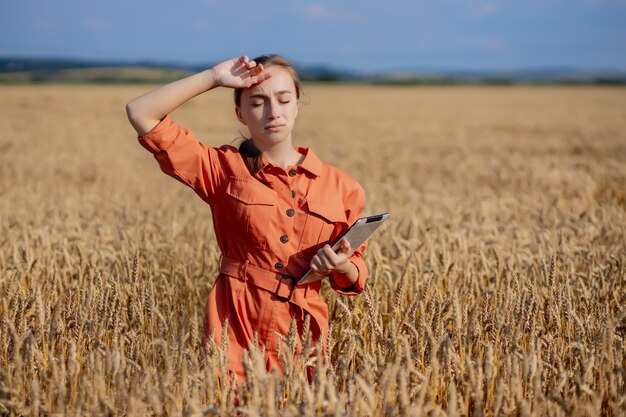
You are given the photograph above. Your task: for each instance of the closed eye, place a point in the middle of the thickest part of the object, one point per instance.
(258, 104)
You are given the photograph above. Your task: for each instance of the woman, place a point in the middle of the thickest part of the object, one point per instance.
(275, 208)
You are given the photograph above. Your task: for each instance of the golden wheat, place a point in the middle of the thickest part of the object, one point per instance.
(496, 288)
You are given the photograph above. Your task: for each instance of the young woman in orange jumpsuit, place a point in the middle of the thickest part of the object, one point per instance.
(275, 208)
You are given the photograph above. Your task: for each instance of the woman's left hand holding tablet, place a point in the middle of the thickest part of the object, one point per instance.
(326, 260)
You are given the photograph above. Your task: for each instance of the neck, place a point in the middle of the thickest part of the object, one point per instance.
(281, 154)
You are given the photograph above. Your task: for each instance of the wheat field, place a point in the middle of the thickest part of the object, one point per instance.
(497, 286)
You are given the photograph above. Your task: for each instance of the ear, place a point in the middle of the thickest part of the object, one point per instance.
(238, 113)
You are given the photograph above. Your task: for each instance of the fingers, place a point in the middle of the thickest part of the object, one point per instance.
(317, 266)
(244, 60)
(240, 62)
(255, 71)
(331, 255)
(327, 263)
(249, 71)
(320, 264)
(242, 65)
(254, 79)
(326, 260)
(258, 79)
(327, 250)
(345, 246)
(238, 68)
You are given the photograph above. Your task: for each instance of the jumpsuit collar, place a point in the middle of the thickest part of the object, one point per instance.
(311, 162)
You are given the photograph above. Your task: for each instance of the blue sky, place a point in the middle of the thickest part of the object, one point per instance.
(357, 35)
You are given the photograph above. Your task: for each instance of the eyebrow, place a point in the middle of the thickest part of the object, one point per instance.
(263, 95)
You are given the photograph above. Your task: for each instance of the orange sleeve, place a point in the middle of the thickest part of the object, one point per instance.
(354, 204)
(182, 156)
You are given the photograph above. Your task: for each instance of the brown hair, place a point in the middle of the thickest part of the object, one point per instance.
(250, 153)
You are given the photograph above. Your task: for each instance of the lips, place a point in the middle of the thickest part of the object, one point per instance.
(273, 126)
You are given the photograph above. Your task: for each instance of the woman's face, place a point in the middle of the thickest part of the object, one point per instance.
(272, 102)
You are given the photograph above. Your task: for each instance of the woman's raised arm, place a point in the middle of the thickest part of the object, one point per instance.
(145, 111)
(177, 149)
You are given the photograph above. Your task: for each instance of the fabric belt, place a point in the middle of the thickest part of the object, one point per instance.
(281, 284)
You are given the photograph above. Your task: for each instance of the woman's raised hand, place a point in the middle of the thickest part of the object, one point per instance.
(238, 72)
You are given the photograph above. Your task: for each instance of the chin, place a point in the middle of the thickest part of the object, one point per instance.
(274, 138)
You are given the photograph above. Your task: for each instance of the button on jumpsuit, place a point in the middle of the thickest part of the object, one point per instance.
(264, 229)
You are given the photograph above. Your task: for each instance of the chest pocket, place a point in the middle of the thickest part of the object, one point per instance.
(321, 218)
(252, 206)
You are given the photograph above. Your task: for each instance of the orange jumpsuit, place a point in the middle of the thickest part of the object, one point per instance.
(264, 230)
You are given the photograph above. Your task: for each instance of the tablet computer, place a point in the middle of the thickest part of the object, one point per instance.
(356, 234)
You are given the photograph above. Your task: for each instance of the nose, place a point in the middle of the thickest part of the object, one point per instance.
(272, 109)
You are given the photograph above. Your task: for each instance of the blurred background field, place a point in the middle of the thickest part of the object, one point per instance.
(497, 286)
(27, 70)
